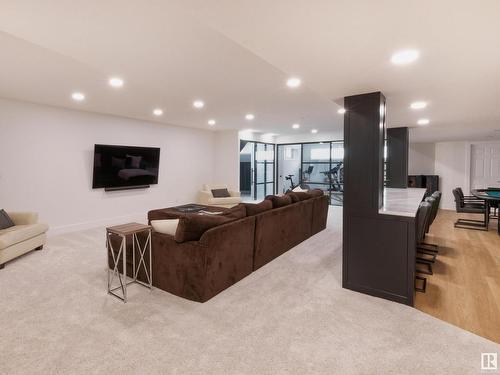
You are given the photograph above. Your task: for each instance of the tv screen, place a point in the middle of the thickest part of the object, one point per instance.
(125, 166)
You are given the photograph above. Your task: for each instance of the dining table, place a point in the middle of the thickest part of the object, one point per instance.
(488, 195)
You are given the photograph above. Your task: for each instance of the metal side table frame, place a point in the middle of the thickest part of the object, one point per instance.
(123, 231)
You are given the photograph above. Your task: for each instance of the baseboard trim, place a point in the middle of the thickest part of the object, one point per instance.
(62, 229)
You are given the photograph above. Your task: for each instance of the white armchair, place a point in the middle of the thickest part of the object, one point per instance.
(206, 197)
(27, 234)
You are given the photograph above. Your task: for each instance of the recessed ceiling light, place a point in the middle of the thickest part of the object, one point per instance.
(423, 121)
(198, 104)
(293, 82)
(418, 105)
(341, 111)
(158, 112)
(249, 116)
(211, 122)
(116, 82)
(405, 56)
(296, 126)
(78, 96)
(314, 131)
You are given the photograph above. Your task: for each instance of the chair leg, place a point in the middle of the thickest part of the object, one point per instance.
(429, 244)
(428, 251)
(424, 284)
(471, 224)
(427, 271)
(425, 257)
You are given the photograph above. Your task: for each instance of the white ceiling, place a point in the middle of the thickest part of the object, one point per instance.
(237, 55)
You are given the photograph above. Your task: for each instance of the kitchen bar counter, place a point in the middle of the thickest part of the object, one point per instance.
(402, 202)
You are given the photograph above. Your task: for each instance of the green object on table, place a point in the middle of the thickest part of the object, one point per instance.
(495, 194)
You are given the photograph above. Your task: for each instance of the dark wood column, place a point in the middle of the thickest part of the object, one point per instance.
(378, 249)
(397, 157)
(364, 125)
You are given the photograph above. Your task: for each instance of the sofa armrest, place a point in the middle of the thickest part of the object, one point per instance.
(23, 218)
(234, 193)
(204, 197)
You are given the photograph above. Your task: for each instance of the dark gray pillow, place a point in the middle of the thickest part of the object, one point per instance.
(220, 193)
(5, 220)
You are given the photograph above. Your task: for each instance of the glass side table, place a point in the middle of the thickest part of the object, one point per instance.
(122, 231)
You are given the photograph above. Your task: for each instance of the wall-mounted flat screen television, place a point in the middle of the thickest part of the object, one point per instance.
(125, 167)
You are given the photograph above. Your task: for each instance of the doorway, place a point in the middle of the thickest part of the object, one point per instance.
(312, 165)
(256, 169)
(485, 165)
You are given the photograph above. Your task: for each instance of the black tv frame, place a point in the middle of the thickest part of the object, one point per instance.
(126, 149)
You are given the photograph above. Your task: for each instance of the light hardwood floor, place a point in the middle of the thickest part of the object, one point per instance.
(465, 287)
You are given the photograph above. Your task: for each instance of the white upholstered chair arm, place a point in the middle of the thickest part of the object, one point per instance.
(23, 218)
(234, 193)
(204, 197)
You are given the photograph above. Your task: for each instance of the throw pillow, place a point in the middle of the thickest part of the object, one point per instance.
(298, 189)
(257, 208)
(220, 193)
(167, 226)
(192, 226)
(5, 220)
(238, 212)
(277, 201)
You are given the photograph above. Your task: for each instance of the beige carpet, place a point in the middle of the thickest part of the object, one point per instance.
(290, 317)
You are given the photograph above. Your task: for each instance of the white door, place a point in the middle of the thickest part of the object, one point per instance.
(485, 165)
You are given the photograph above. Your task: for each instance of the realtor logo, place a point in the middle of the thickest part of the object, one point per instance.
(489, 361)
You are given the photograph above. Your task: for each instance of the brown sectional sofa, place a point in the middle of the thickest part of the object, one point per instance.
(223, 255)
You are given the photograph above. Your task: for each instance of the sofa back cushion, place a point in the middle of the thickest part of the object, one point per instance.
(299, 196)
(315, 193)
(253, 209)
(192, 226)
(277, 201)
(237, 212)
(294, 196)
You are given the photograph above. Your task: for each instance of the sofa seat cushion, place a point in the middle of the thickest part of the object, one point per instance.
(224, 201)
(256, 208)
(192, 226)
(20, 233)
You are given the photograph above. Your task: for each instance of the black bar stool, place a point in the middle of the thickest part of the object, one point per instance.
(469, 205)
(423, 216)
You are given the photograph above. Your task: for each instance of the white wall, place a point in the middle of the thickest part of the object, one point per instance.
(257, 137)
(227, 159)
(421, 158)
(309, 137)
(451, 164)
(46, 157)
